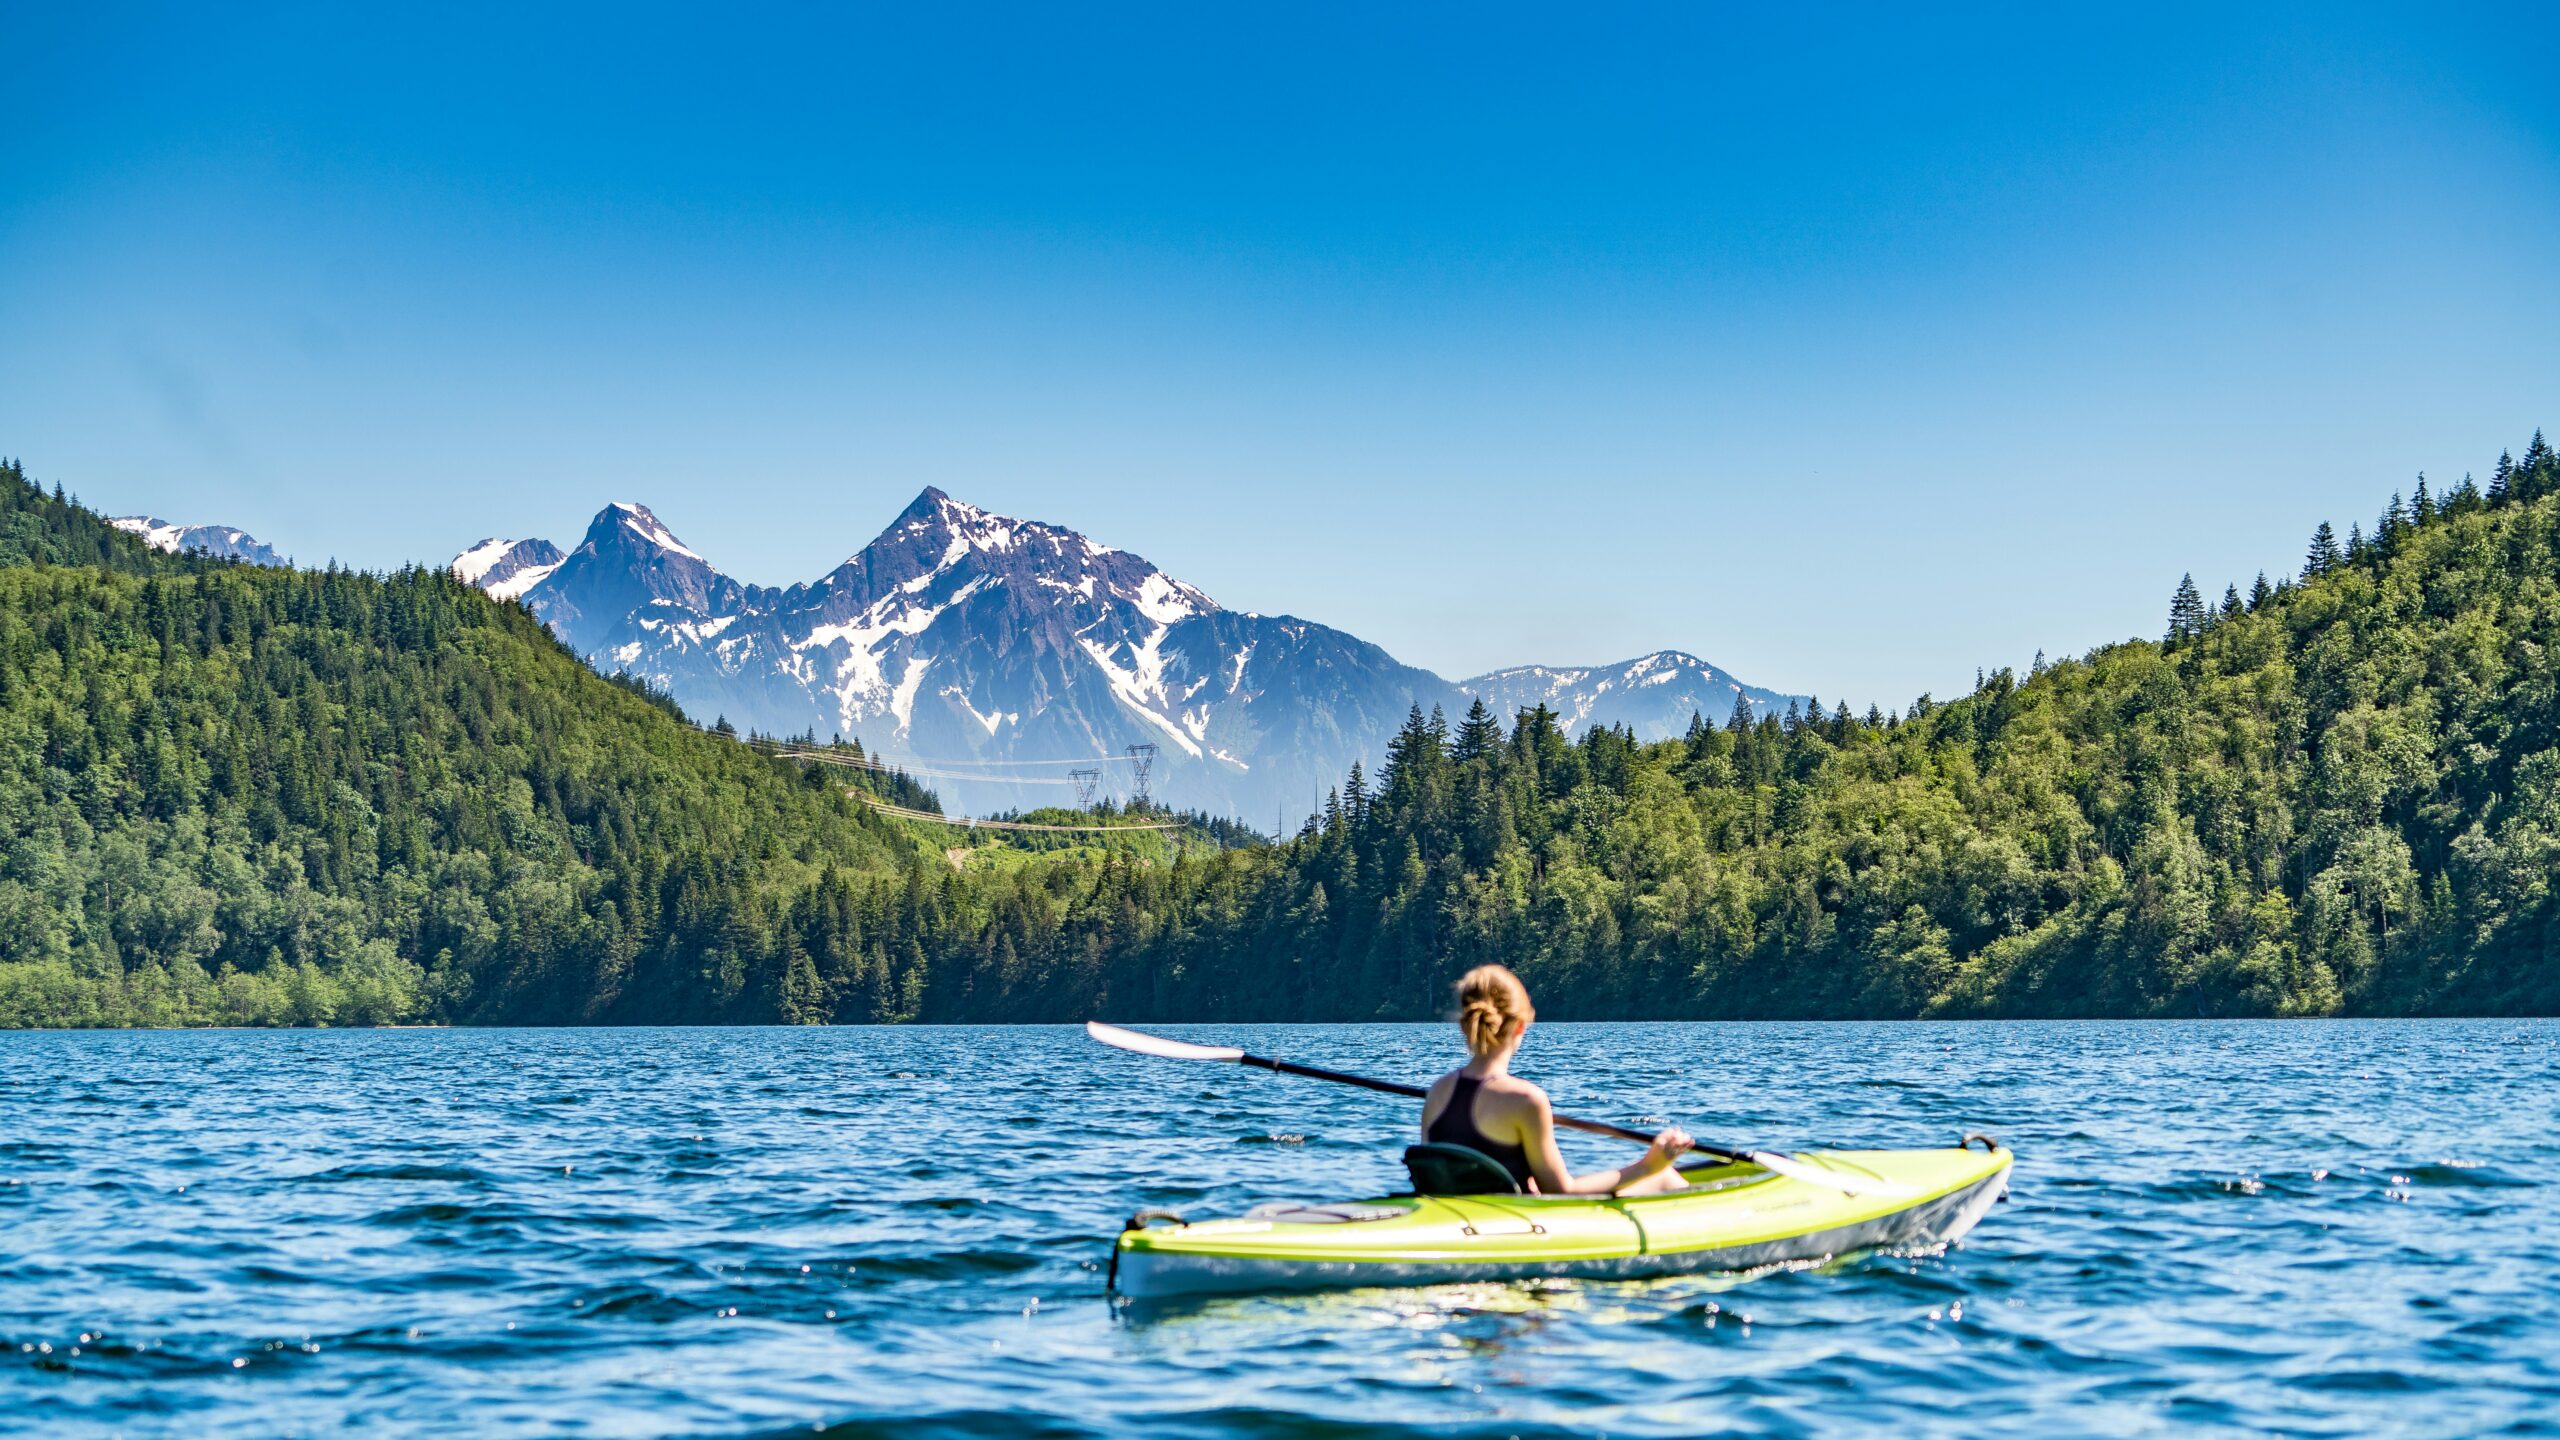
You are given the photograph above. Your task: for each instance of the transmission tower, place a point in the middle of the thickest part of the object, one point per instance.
(1142, 758)
(1087, 781)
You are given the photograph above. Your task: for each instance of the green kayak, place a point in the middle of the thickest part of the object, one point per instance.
(1732, 1217)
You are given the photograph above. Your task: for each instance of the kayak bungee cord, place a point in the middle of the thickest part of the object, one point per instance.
(1140, 1043)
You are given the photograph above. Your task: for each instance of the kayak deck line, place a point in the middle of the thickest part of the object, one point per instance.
(1736, 1216)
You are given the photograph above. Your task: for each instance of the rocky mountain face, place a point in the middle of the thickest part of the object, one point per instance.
(221, 540)
(997, 656)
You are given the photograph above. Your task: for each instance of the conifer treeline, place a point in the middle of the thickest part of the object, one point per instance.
(267, 796)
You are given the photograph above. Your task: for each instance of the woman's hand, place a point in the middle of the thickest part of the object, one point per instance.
(1666, 1147)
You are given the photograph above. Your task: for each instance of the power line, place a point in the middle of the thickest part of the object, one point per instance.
(886, 767)
(965, 823)
(943, 769)
(1142, 760)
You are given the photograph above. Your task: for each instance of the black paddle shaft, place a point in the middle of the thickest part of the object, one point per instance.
(1415, 1092)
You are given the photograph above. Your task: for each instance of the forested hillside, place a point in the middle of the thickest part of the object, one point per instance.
(2333, 794)
(231, 794)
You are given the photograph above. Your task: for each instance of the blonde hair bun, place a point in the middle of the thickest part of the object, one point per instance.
(1490, 1001)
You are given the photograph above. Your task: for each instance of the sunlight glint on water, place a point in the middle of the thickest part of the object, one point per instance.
(2320, 1227)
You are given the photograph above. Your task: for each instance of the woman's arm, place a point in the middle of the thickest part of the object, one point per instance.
(1546, 1162)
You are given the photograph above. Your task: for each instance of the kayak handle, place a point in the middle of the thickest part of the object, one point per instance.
(1139, 1221)
(1989, 1145)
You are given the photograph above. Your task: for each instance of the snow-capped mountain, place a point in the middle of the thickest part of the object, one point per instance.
(958, 639)
(628, 563)
(220, 540)
(507, 568)
(1653, 695)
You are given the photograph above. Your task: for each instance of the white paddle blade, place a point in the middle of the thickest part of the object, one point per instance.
(1827, 1179)
(1157, 1045)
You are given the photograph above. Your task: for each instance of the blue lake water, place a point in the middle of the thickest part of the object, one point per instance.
(2319, 1228)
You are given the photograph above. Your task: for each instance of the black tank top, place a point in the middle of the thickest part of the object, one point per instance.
(1457, 1126)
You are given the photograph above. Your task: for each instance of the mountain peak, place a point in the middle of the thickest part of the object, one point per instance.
(934, 509)
(629, 517)
(936, 532)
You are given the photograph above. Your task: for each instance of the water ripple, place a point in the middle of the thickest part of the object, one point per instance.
(2236, 1228)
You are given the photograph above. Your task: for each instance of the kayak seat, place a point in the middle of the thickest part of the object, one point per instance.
(1440, 1169)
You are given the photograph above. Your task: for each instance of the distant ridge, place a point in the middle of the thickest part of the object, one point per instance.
(1653, 695)
(219, 540)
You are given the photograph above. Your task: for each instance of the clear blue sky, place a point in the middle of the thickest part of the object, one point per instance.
(1849, 348)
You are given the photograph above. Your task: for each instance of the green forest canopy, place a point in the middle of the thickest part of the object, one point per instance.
(239, 795)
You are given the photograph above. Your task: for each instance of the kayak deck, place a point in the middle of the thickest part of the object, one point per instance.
(1732, 1217)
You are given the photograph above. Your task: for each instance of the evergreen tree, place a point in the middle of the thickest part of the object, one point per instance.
(2355, 542)
(2502, 479)
(2538, 473)
(1479, 735)
(2231, 606)
(2186, 612)
(2422, 509)
(1739, 722)
(2324, 555)
(1412, 756)
(1700, 741)
(2261, 593)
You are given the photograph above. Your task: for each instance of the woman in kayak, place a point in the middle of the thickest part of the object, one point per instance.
(1486, 1108)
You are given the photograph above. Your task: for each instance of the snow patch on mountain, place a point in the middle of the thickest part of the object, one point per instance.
(480, 559)
(989, 722)
(1140, 683)
(650, 530)
(514, 586)
(1165, 600)
(902, 701)
(507, 568)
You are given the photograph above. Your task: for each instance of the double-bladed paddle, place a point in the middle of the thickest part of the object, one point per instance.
(1164, 1049)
